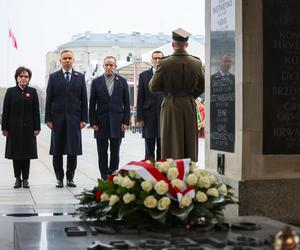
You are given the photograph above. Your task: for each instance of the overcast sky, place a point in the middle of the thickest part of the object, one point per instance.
(41, 25)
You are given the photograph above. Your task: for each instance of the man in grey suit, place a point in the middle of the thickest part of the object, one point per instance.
(109, 113)
(66, 114)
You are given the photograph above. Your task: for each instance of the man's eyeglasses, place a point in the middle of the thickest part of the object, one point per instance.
(156, 58)
(23, 76)
(109, 65)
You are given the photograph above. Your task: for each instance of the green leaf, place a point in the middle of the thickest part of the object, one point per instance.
(204, 212)
(182, 213)
(218, 200)
(221, 200)
(126, 211)
(121, 191)
(107, 209)
(144, 195)
(160, 216)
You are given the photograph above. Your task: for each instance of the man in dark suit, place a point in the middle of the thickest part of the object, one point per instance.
(222, 83)
(224, 73)
(66, 115)
(109, 114)
(148, 110)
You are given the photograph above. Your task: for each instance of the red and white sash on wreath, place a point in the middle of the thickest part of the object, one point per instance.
(150, 173)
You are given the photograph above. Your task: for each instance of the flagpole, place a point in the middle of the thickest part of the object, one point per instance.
(8, 54)
(7, 61)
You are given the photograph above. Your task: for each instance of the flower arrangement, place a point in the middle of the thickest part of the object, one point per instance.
(171, 192)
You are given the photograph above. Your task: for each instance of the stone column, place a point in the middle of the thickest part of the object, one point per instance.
(264, 165)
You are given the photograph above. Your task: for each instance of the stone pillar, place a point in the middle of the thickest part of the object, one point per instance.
(264, 163)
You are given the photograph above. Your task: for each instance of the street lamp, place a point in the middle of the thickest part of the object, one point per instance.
(88, 65)
(136, 60)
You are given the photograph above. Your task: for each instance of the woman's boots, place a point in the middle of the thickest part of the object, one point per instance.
(25, 184)
(18, 183)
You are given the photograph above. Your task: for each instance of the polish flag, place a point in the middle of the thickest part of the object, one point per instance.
(13, 39)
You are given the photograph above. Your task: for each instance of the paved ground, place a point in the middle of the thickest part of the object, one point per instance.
(42, 195)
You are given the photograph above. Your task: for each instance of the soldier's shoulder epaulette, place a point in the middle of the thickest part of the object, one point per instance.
(164, 57)
(196, 57)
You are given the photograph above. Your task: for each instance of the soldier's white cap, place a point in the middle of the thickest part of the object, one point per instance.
(180, 35)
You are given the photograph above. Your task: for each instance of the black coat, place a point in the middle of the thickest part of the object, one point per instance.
(66, 107)
(20, 118)
(109, 112)
(148, 106)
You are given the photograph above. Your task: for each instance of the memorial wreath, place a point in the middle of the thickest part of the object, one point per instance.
(171, 192)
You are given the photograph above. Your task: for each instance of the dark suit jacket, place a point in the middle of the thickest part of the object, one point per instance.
(109, 112)
(218, 77)
(66, 107)
(148, 106)
(20, 117)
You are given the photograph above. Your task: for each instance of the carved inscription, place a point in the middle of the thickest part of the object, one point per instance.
(281, 104)
(222, 82)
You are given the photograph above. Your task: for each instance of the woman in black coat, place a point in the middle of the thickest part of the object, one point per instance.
(21, 125)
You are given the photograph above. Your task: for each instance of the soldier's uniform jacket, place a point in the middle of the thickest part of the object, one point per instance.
(181, 80)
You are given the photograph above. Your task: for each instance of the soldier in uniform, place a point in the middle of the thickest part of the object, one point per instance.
(180, 78)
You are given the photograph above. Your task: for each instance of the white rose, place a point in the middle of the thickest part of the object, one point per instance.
(127, 198)
(127, 182)
(223, 189)
(204, 182)
(147, 186)
(150, 202)
(201, 197)
(158, 163)
(113, 199)
(164, 167)
(137, 176)
(161, 187)
(131, 173)
(212, 179)
(185, 201)
(164, 203)
(192, 179)
(197, 172)
(201, 172)
(172, 173)
(171, 162)
(118, 179)
(178, 184)
(193, 166)
(104, 197)
(213, 192)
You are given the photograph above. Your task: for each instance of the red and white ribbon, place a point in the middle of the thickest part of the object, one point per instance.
(189, 192)
(150, 173)
(183, 167)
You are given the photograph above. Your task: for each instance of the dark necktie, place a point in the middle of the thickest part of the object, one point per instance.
(67, 76)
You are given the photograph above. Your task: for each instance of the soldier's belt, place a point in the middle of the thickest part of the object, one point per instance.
(178, 94)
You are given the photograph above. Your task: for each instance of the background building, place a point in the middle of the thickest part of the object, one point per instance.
(90, 49)
(132, 51)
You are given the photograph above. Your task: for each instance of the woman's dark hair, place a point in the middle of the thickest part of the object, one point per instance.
(20, 70)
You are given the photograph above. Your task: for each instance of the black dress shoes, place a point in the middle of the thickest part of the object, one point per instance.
(25, 184)
(59, 184)
(18, 183)
(71, 184)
